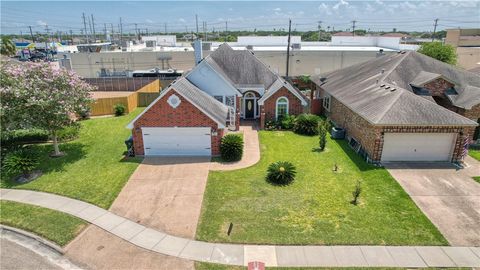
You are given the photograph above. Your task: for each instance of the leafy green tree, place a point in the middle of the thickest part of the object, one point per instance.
(443, 52)
(7, 46)
(41, 96)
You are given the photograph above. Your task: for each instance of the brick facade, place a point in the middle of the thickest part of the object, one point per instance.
(438, 87)
(371, 137)
(269, 106)
(161, 114)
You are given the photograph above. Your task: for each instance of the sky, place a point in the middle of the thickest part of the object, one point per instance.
(375, 15)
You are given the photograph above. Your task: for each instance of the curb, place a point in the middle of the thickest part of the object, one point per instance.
(32, 236)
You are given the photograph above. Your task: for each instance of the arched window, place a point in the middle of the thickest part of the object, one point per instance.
(249, 95)
(281, 108)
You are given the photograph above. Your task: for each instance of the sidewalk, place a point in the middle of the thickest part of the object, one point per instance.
(251, 150)
(236, 254)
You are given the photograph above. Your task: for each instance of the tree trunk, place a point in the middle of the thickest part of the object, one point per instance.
(56, 150)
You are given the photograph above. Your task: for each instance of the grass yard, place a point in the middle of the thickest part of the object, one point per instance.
(53, 225)
(315, 208)
(475, 154)
(92, 169)
(477, 178)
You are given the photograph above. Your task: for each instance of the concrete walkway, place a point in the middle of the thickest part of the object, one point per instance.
(251, 150)
(236, 254)
(449, 197)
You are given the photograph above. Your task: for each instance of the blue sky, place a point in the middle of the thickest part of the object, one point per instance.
(383, 15)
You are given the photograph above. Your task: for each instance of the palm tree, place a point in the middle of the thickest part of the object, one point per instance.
(7, 46)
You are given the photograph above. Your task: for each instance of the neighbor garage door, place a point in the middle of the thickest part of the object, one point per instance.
(181, 141)
(418, 146)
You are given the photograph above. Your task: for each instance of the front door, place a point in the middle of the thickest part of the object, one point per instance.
(250, 108)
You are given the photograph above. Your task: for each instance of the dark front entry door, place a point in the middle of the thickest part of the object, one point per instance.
(249, 108)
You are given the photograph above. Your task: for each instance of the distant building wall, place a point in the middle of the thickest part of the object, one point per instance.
(463, 37)
(468, 57)
(301, 62)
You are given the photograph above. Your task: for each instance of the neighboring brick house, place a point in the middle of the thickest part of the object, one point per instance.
(388, 108)
(223, 88)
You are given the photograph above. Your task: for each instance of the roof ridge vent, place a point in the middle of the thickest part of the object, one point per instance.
(382, 71)
(393, 89)
(382, 85)
(387, 87)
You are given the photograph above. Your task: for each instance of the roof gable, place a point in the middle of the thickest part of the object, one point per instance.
(204, 102)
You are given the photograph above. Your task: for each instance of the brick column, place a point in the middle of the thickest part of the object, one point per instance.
(262, 117)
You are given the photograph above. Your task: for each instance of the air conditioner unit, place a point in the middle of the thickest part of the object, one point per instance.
(296, 46)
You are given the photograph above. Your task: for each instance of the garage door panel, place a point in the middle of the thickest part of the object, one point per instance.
(177, 141)
(418, 146)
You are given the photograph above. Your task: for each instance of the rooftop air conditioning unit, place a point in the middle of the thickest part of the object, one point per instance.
(249, 47)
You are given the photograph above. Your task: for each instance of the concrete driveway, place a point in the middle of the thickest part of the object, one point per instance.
(448, 196)
(165, 193)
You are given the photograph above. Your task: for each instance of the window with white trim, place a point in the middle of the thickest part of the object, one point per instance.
(281, 108)
(326, 102)
(230, 101)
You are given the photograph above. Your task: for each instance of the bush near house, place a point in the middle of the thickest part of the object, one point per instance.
(281, 173)
(231, 147)
(287, 122)
(119, 109)
(21, 161)
(29, 136)
(306, 124)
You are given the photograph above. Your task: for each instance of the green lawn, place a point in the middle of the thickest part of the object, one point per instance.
(477, 178)
(475, 154)
(92, 169)
(315, 208)
(53, 225)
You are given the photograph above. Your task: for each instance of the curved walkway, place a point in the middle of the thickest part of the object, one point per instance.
(251, 150)
(237, 254)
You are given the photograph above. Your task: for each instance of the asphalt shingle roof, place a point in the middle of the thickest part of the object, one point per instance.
(207, 103)
(379, 90)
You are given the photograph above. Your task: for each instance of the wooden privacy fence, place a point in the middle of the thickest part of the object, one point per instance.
(105, 101)
(130, 84)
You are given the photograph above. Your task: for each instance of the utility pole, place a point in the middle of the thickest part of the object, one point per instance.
(105, 30)
(353, 27)
(226, 30)
(112, 33)
(165, 25)
(319, 29)
(121, 30)
(434, 29)
(31, 34)
(85, 28)
(93, 27)
(205, 31)
(71, 36)
(196, 22)
(288, 46)
(136, 31)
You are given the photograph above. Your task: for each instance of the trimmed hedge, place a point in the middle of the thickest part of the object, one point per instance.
(306, 124)
(25, 136)
(231, 147)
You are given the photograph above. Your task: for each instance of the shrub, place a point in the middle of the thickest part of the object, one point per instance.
(20, 161)
(231, 147)
(21, 136)
(306, 124)
(119, 109)
(327, 125)
(281, 173)
(356, 193)
(69, 133)
(271, 125)
(323, 138)
(287, 121)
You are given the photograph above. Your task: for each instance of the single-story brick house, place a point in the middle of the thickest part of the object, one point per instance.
(404, 107)
(192, 114)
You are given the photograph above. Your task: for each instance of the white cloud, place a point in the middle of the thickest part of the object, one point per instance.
(42, 23)
(149, 21)
(277, 9)
(341, 3)
(181, 20)
(324, 8)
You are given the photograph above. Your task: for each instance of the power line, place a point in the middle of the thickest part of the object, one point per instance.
(434, 29)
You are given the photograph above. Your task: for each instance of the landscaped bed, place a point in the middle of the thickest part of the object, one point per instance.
(53, 225)
(475, 154)
(93, 168)
(315, 208)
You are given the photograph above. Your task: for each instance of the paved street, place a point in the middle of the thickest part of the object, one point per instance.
(449, 197)
(236, 254)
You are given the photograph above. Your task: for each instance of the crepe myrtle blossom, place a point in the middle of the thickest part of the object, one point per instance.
(41, 96)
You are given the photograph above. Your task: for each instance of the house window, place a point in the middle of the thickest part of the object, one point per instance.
(281, 107)
(219, 98)
(230, 101)
(326, 102)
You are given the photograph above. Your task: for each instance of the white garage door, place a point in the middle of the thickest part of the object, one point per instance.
(418, 146)
(181, 141)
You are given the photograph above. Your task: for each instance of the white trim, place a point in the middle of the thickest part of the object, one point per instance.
(276, 106)
(130, 125)
(270, 92)
(329, 97)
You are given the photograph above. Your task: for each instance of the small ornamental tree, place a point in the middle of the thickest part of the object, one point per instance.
(443, 52)
(40, 96)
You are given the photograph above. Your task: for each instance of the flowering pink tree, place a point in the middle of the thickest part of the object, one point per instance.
(38, 95)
